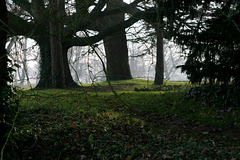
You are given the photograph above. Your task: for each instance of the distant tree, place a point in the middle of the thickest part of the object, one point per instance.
(154, 20)
(160, 15)
(167, 19)
(159, 74)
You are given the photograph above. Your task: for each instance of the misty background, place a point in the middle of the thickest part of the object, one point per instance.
(86, 67)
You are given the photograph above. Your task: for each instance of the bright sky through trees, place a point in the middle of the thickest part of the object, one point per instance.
(128, 1)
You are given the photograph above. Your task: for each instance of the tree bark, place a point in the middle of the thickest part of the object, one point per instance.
(69, 82)
(58, 77)
(45, 80)
(117, 57)
(159, 75)
(116, 47)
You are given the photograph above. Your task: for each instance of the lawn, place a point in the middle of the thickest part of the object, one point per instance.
(138, 121)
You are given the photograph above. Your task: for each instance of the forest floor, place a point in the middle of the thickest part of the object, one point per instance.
(140, 121)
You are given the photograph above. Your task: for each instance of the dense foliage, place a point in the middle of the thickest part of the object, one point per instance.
(220, 96)
(8, 105)
(214, 49)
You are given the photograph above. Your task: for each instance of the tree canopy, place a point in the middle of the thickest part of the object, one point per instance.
(205, 28)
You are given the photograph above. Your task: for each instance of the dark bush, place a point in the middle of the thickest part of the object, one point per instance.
(160, 88)
(213, 53)
(226, 96)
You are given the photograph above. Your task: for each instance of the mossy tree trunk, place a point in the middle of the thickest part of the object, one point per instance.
(45, 80)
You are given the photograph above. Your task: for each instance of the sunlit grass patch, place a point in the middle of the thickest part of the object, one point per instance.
(161, 102)
(134, 81)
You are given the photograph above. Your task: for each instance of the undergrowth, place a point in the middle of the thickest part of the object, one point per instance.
(224, 96)
(67, 124)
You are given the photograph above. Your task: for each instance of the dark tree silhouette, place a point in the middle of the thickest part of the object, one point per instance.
(68, 25)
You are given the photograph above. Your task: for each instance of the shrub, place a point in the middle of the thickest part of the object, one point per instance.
(226, 96)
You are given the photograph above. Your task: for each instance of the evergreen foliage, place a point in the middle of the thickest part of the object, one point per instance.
(214, 50)
(220, 96)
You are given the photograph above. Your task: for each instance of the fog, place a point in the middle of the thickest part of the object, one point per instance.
(86, 67)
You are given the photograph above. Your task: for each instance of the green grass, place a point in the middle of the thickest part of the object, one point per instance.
(67, 124)
(131, 85)
(122, 85)
(131, 81)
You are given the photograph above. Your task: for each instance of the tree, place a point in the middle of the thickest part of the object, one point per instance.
(111, 23)
(116, 46)
(154, 19)
(165, 19)
(159, 75)
(37, 30)
(213, 54)
(82, 20)
(40, 31)
(58, 77)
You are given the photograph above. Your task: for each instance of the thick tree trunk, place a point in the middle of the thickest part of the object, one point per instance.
(45, 67)
(58, 77)
(117, 56)
(45, 80)
(159, 75)
(116, 47)
(41, 35)
(54, 67)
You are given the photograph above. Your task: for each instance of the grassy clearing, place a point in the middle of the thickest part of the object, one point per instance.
(129, 85)
(67, 124)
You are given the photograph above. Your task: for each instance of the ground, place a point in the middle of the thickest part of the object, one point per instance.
(139, 121)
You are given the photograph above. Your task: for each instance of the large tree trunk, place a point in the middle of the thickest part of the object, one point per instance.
(45, 80)
(54, 67)
(116, 47)
(117, 56)
(58, 77)
(45, 67)
(159, 75)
